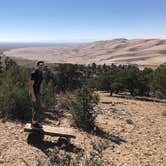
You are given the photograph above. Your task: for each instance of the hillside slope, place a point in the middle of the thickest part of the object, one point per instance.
(150, 52)
(136, 136)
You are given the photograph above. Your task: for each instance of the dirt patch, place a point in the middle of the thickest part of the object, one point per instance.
(134, 132)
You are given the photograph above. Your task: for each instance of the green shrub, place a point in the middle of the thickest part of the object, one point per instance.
(81, 108)
(14, 98)
(158, 85)
(60, 157)
(103, 81)
(92, 83)
(68, 77)
(48, 97)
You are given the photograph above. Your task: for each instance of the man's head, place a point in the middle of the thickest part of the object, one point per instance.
(40, 65)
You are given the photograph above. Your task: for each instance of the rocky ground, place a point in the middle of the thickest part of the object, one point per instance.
(133, 133)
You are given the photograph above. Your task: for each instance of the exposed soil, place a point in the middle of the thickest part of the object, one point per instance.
(134, 132)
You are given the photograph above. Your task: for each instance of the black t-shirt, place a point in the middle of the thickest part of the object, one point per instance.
(37, 76)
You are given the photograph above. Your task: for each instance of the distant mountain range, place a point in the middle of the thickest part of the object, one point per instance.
(150, 52)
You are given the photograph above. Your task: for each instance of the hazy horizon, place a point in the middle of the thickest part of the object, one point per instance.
(72, 42)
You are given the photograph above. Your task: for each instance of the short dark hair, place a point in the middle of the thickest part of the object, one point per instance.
(39, 62)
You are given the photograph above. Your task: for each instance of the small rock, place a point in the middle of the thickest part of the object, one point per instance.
(2, 161)
(16, 136)
(129, 121)
(163, 113)
(123, 129)
(118, 152)
(21, 131)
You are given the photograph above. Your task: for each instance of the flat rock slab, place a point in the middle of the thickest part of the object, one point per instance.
(52, 131)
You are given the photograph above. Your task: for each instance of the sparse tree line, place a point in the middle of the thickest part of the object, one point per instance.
(114, 79)
(81, 81)
(129, 78)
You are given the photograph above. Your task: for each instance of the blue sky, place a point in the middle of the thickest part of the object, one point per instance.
(81, 20)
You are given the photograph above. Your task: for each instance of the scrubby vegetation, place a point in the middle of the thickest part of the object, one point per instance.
(59, 157)
(82, 105)
(14, 95)
(129, 78)
(158, 85)
(72, 79)
(14, 99)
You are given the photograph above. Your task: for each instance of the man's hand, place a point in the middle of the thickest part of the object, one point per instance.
(33, 99)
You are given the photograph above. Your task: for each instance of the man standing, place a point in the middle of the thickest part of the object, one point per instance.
(35, 93)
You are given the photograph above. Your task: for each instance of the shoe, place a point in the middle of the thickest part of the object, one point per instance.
(37, 125)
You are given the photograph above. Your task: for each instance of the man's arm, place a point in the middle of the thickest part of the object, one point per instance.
(31, 83)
